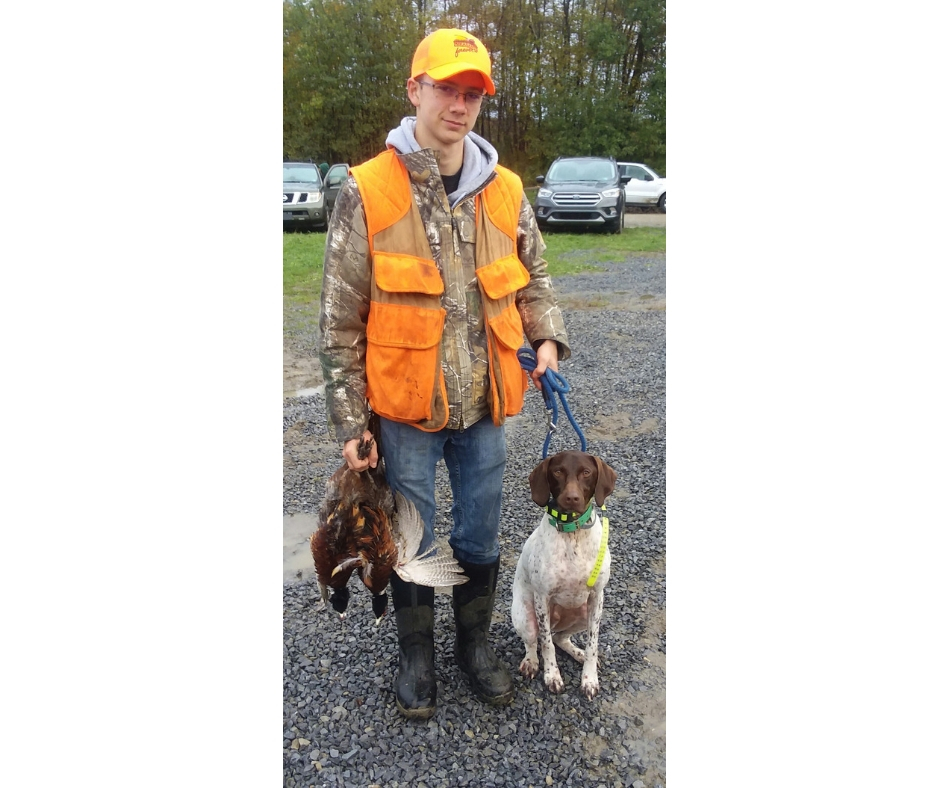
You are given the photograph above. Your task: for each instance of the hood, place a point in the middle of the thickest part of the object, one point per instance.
(581, 186)
(479, 157)
(301, 186)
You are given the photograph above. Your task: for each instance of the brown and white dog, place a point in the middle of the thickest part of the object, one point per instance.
(551, 596)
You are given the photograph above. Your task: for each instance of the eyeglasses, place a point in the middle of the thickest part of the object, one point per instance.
(448, 93)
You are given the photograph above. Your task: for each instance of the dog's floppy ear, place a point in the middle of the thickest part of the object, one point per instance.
(538, 483)
(606, 476)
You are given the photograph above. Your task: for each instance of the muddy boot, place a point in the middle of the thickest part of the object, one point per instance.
(473, 610)
(415, 685)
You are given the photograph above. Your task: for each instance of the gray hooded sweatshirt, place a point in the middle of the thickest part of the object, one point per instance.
(479, 157)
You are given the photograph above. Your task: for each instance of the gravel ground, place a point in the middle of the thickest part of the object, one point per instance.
(341, 726)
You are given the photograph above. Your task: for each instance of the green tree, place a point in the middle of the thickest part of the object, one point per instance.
(343, 75)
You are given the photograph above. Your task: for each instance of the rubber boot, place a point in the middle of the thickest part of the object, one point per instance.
(415, 684)
(473, 611)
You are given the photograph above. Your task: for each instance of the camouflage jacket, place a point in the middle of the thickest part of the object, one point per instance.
(345, 297)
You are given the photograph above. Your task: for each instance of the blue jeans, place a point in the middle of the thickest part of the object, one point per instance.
(475, 458)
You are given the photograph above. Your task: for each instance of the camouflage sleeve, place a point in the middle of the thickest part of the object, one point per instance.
(344, 309)
(538, 306)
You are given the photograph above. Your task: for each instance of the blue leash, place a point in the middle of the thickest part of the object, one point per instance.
(552, 384)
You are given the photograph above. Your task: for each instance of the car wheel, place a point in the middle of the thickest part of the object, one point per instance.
(662, 202)
(615, 226)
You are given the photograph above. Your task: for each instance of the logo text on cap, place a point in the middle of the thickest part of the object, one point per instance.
(464, 45)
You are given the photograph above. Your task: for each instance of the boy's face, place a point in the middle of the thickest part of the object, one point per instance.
(442, 122)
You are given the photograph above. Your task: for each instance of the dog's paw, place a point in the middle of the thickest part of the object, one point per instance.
(590, 687)
(554, 682)
(528, 668)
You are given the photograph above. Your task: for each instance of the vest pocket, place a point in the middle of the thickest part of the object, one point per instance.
(405, 273)
(401, 359)
(506, 327)
(503, 276)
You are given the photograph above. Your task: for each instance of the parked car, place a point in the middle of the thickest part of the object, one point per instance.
(304, 200)
(645, 186)
(580, 191)
(335, 177)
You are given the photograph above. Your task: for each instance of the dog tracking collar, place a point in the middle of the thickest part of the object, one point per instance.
(566, 522)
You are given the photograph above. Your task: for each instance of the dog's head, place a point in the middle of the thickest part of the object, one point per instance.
(572, 478)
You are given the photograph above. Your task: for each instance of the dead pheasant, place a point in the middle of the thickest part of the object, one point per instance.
(367, 528)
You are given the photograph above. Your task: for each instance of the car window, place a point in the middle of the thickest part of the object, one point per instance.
(337, 174)
(571, 170)
(298, 174)
(637, 173)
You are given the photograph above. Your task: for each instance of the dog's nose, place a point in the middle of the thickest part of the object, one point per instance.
(573, 501)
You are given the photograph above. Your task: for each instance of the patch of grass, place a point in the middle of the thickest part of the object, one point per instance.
(303, 267)
(569, 253)
(303, 275)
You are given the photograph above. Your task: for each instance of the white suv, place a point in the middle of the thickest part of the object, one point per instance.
(645, 186)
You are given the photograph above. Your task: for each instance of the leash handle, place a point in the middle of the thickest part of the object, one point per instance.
(553, 384)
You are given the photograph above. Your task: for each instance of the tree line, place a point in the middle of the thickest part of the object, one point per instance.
(573, 77)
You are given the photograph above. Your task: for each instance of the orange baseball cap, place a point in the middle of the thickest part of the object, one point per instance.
(446, 53)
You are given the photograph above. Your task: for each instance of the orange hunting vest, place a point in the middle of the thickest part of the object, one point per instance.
(404, 373)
